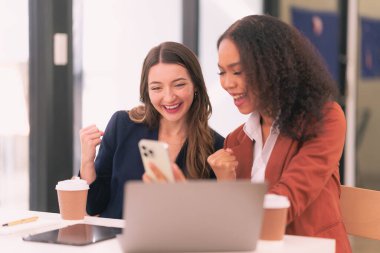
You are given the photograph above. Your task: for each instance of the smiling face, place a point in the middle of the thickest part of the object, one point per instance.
(171, 91)
(232, 77)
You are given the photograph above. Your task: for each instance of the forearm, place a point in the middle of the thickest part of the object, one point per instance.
(87, 171)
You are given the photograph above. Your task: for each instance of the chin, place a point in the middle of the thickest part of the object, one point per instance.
(245, 111)
(174, 118)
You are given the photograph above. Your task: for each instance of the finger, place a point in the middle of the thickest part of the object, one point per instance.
(160, 177)
(88, 128)
(219, 153)
(97, 142)
(229, 150)
(224, 166)
(233, 165)
(93, 136)
(89, 136)
(225, 157)
(214, 156)
(90, 143)
(221, 157)
(91, 131)
(146, 178)
(177, 172)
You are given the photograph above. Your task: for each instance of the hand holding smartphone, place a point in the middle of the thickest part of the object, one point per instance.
(156, 152)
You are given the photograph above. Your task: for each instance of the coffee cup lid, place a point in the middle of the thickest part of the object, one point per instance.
(75, 184)
(272, 201)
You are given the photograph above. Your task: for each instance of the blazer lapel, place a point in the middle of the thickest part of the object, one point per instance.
(244, 154)
(277, 159)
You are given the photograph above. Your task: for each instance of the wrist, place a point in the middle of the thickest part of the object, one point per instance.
(87, 164)
(87, 171)
(224, 177)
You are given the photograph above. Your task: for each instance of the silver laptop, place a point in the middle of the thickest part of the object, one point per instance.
(192, 217)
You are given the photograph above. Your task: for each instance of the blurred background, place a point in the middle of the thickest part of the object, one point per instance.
(67, 64)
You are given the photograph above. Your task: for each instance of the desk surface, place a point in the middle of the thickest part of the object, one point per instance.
(11, 240)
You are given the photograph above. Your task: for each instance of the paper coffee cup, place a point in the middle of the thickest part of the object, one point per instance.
(72, 198)
(275, 215)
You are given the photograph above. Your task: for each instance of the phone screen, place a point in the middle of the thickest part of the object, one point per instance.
(78, 234)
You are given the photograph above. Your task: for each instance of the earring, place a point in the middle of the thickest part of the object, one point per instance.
(195, 93)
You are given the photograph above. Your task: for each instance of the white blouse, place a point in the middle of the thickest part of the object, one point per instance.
(261, 151)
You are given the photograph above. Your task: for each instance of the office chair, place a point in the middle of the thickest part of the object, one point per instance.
(361, 211)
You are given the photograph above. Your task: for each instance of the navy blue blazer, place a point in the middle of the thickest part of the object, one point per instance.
(119, 161)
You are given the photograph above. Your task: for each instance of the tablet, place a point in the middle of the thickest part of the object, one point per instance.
(78, 235)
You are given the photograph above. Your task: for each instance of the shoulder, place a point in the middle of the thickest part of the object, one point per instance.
(236, 136)
(120, 116)
(334, 115)
(331, 129)
(121, 119)
(120, 125)
(333, 110)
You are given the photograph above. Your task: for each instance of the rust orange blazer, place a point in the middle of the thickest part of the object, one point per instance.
(307, 174)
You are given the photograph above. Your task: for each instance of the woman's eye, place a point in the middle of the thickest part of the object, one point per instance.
(236, 73)
(155, 88)
(179, 84)
(221, 73)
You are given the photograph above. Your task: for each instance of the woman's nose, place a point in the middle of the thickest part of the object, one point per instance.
(169, 95)
(227, 82)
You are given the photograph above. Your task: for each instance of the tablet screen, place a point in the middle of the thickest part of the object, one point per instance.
(78, 234)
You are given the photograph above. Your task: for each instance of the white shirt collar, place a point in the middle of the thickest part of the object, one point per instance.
(261, 153)
(252, 127)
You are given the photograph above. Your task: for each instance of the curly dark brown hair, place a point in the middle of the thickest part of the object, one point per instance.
(285, 72)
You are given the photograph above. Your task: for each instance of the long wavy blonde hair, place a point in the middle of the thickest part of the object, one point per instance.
(199, 135)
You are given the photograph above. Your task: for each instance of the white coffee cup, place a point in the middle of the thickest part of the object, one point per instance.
(275, 216)
(72, 198)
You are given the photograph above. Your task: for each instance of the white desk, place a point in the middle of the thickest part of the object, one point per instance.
(12, 240)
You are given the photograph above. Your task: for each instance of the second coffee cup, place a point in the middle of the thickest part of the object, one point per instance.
(72, 198)
(275, 216)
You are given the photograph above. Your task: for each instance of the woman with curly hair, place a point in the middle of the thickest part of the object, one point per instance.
(295, 134)
(175, 109)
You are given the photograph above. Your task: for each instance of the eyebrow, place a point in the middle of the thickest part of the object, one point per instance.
(232, 64)
(175, 80)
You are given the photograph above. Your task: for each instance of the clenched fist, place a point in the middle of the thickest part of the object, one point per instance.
(90, 138)
(223, 162)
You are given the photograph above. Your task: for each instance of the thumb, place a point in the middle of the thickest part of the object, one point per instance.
(229, 150)
(177, 172)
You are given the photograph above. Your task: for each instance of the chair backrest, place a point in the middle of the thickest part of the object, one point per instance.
(361, 211)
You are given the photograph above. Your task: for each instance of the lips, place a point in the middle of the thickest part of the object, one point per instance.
(172, 108)
(239, 98)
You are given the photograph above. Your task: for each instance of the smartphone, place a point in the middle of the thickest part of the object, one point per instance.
(156, 152)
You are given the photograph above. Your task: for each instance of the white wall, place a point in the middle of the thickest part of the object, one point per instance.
(117, 35)
(14, 107)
